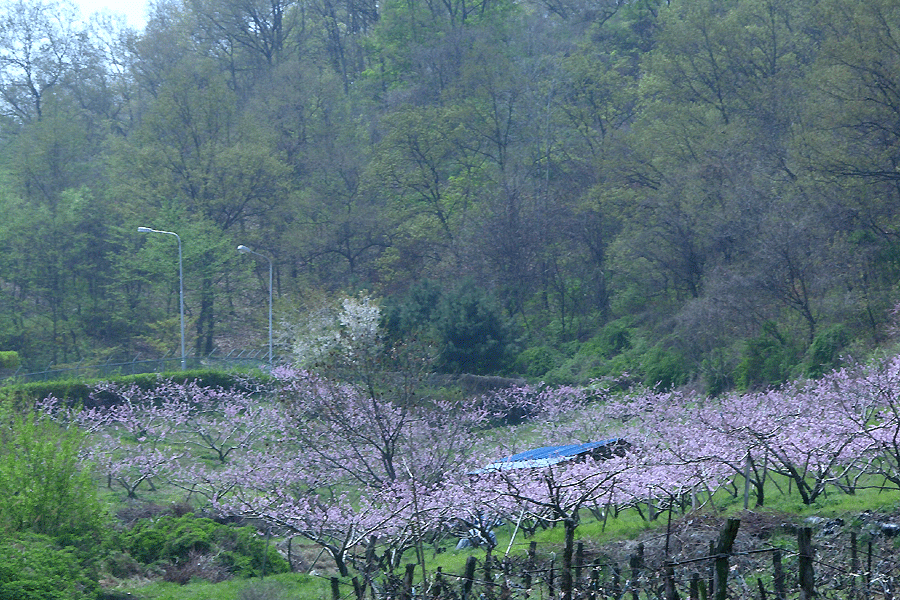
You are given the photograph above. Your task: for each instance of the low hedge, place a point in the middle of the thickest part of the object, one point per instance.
(78, 393)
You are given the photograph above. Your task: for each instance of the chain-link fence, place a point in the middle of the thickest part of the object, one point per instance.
(138, 364)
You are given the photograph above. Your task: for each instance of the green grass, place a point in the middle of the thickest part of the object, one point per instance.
(288, 586)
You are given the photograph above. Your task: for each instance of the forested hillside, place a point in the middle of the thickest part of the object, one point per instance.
(693, 190)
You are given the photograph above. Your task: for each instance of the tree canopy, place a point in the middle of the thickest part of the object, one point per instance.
(682, 190)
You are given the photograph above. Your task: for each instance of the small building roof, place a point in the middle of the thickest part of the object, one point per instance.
(550, 455)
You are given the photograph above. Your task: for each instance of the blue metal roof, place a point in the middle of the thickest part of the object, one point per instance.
(546, 456)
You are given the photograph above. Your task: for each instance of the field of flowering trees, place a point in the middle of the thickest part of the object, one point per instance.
(372, 477)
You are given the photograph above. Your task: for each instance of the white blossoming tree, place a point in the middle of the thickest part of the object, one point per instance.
(339, 331)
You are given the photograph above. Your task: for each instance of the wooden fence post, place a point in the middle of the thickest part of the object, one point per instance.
(778, 578)
(408, 580)
(504, 581)
(469, 578)
(695, 586)
(359, 588)
(869, 570)
(723, 549)
(437, 588)
(529, 565)
(594, 585)
(805, 552)
(671, 592)
(579, 561)
(551, 575)
(636, 562)
(617, 582)
(488, 576)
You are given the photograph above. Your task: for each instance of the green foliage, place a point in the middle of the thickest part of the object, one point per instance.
(34, 567)
(472, 334)
(464, 322)
(44, 487)
(77, 392)
(678, 163)
(767, 360)
(664, 368)
(173, 540)
(620, 349)
(412, 313)
(716, 373)
(536, 362)
(9, 359)
(824, 354)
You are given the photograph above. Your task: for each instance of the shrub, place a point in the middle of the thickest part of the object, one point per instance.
(536, 362)
(81, 393)
(9, 359)
(824, 353)
(768, 360)
(191, 540)
(464, 322)
(409, 315)
(664, 369)
(44, 488)
(33, 567)
(613, 339)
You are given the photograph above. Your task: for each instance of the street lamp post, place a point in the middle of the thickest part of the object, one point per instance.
(245, 250)
(180, 285)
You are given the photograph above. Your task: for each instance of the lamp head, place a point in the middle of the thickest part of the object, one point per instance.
(144, 230)
(244, 249)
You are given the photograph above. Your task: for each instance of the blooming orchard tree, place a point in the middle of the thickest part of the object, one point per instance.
(152, 434)
(353, 436)
(362, 465)
(558, 493)
(868, 399)
(806, 438)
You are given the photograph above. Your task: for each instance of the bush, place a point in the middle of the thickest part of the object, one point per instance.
(411, 314)
(664, 369)
(536, 362)
(824, 354)
(34, 567)
(768, 360)
(464, 323)
(9, 359)
(613, 339)
(190, 540)
(44, 488)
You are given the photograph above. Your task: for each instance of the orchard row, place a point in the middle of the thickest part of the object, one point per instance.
(350, 469)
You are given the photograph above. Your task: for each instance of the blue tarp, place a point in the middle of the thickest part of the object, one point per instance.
(546, 456)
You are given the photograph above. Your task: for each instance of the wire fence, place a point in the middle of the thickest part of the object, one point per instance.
(841, 565)
(137, 365)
